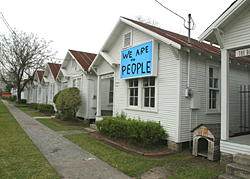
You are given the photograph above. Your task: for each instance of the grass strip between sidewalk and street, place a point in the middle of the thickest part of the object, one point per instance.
(56, 126)
(134, 166)
(19, 157)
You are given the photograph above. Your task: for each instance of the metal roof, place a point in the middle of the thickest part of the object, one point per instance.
(83, 58)
(40, 75)
(54, 68)
(183, 40)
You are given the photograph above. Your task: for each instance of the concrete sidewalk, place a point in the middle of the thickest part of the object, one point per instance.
(68, 159)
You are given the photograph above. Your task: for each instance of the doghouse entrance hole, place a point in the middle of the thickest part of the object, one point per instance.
(202, 147)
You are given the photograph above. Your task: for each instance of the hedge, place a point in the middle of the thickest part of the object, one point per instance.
(33, 106)
(132, 130)
(56, 96)
(46, 108)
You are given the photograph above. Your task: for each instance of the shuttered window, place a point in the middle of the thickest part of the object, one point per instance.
(127, 39)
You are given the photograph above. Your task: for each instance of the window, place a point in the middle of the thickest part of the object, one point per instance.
(213, 101)
(74, 83)
(149, 92)
(127, 39)
(142, 93)
(111, 90)
(65, 85)
(78, 85)
(39, 93)
(52, 91)
(59, 87)
(133, 92)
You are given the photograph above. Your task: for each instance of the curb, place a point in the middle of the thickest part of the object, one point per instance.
(141, 153)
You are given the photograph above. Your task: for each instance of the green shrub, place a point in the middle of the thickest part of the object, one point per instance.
(132, 130)
(33, 106)
(21, 105)
(69, 101)
(56, 96)
(5, 98)
(58, 115)
(67, 117)
(46, 108)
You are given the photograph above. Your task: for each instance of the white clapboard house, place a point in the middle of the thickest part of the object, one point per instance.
(231, 32)
(74, 73)
(155, 74)
(49, 83)
(37, 83)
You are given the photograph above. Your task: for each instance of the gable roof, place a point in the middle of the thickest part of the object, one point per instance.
(173, 39)
(40, 75)
(83, 58)
(183, 40)
(230, 15)
(54, 68)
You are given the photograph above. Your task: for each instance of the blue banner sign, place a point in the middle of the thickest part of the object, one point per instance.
(137, 61)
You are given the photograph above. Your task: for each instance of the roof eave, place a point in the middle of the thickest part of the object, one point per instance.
(208, 33)
(155, 35)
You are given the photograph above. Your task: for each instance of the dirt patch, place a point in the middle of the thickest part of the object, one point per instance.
(139, 150)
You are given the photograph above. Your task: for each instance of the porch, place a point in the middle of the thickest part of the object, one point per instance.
(238, 144)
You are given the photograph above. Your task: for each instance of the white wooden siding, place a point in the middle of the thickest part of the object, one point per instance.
(198, 83)
(92, 85)
(238, 34)
(167, 85)
(104, 68)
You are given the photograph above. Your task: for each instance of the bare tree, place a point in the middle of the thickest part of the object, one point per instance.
(147, 20)
(22, 55)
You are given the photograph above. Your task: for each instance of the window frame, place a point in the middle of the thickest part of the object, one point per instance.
(39, 93)
(212, 88)
(129, 90)
(109, 91)
(74, 82)
(150, 87)
(141, 95)
(78, 83)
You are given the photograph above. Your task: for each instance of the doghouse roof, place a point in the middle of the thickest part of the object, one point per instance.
(213, 128)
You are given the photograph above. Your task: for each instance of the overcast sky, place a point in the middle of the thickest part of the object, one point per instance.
(85, 25)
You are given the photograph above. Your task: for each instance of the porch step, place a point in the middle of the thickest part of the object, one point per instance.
(226, 176)
(93, 126)
(242, 159)
(238, 170)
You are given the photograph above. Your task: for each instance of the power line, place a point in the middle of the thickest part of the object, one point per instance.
(7, 24)
(179, 16)
(190, 20)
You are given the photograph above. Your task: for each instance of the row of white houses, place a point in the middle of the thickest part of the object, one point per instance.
(154, 74)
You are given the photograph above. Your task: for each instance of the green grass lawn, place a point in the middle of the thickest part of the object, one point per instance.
(35, 114)
(19, 157)
(25, 109)
(56, 126)
(182, 165)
